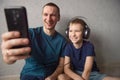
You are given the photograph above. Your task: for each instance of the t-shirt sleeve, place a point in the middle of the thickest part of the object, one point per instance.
(67, 50)
(63, 49)
(90, 50)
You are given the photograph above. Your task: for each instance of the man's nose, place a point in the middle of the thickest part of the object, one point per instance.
(49, 18)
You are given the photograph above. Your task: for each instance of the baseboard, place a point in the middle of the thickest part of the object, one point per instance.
(10, 77)
(112, 69)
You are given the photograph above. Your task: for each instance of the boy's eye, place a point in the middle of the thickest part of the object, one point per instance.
(70, 30)
(78, 30)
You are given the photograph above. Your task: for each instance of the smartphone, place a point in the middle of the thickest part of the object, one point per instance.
(16, 18)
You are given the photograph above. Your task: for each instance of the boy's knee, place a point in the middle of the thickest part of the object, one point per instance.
(61, 77)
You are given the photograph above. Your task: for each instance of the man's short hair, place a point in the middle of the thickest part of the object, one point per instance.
(54, 5)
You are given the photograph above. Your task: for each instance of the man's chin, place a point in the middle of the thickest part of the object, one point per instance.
(50, 28)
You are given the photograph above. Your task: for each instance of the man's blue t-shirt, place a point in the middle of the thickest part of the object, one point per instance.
(45, 54)
(78, 56)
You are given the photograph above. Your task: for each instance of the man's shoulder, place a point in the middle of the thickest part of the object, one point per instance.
(60, 36)
(35, 30)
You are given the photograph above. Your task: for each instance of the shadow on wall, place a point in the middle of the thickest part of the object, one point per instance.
(62, 25)
(112, 69)
(95, 38)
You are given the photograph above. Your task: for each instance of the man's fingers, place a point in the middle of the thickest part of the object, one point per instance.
(15, 58)
(15, 42)
(10, 35)
(18, 52)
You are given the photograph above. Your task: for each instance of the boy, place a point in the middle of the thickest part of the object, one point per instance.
(80, 56)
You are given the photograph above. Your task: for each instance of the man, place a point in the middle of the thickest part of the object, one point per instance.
(45, 61)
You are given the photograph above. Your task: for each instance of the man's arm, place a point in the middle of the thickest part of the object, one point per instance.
(58, 70)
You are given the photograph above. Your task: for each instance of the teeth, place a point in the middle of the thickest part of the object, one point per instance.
(49, 23)
(73, 39)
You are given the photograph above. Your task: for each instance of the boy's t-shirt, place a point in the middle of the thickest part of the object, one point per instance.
(78, 56)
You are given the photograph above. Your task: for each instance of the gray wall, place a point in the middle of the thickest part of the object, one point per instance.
(104, 20)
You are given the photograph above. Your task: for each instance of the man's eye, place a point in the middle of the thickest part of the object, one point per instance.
(53, 15)
(45, 14)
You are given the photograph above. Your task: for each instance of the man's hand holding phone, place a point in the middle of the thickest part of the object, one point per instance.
(15, 43)
(10, 54)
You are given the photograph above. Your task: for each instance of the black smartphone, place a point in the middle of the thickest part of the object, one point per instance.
(16, 18)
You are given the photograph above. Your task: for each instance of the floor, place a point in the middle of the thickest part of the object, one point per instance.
(14, 77)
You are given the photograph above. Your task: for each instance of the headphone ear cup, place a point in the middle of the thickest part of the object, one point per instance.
(86, 32)
(67, 32)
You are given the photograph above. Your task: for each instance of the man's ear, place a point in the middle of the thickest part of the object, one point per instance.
(58, 17)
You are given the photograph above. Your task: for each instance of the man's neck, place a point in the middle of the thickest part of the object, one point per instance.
(49, 32)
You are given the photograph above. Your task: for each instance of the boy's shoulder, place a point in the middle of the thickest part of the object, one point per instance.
(87, 43)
